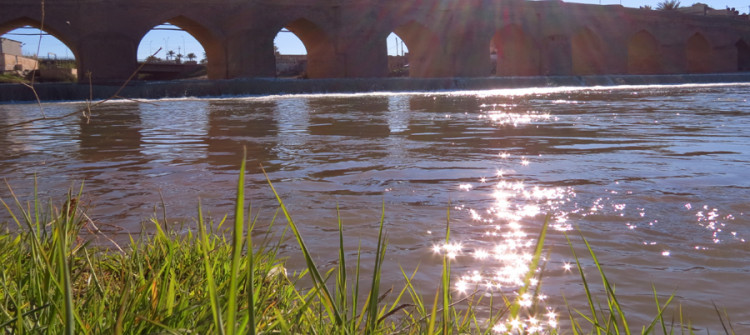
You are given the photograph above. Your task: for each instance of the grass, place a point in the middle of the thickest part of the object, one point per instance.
(215, 279)
(6, 78)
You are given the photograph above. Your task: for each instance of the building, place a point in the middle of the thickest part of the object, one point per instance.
(12, 59)
(703, 9)
(291, 65)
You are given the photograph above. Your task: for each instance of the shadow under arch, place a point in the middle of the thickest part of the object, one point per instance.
(321, 52)
(21, 22)
(643, 54)
(743, 55)
(424, 50)
(216, 66)
(698, 53)
(587, 53)
(517, 54)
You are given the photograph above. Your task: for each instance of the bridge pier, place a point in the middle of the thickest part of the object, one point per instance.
(217, 68)
(556, 56)
(470, 54)
(725, 47)
(248, 56)
(326, 57)
(363, 57)
(107, 57)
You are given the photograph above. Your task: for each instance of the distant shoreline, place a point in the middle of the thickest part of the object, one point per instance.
(271, 86)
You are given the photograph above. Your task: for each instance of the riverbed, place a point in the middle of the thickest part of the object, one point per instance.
(655, 177)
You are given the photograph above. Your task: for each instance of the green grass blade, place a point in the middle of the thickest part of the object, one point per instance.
(533, 266)
(37, 203)
(327, 299)
(594, 318)
(372, 310)
(445, 288)
(433, 313)
(20, 328)
(660, 316)
(446, 277)
(93, 272)
(212, 292)
(341, 280)
(62, 230)
(118, 327)
(250, 280)
(729, 330)
(355, 291)
(285, 328)
(415, 297)
(237, 244)
(612, 298)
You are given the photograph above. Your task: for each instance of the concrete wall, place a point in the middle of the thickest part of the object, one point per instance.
(13, 63)
(446, 38)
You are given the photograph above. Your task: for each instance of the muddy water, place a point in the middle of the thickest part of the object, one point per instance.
(656, 178)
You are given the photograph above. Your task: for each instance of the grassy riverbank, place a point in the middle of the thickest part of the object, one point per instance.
(215, 279)
(11, 79)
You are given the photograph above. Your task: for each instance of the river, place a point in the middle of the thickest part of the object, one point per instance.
(656, 178)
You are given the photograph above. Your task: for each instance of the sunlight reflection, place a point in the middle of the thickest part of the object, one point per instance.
(711, 219)
(504, 267)
(503, 118)
(514, 202)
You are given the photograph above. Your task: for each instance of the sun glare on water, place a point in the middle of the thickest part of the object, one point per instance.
(507, 220)
(511, 225)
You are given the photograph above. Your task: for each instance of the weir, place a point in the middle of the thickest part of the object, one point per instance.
(270, 86)
(347, 39)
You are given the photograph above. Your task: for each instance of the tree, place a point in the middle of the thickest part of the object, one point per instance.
(668, 5)
(191, 56)
(170, 54)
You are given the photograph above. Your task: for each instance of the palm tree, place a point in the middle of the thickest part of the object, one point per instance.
(668, 5)
(170, 54)
(191, 56)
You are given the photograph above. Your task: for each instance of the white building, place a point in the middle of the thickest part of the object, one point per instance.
(12, 59)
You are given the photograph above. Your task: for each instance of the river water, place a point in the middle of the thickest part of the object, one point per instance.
(656, 178)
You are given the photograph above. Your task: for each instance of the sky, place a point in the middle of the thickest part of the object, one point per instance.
(287, 42)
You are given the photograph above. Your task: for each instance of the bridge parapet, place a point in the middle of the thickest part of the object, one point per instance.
(346, 38)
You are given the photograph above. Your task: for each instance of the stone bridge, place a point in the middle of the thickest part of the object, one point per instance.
(347, 38)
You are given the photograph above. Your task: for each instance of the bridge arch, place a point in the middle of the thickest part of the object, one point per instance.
(743, 55)
(26, 21)
(516, 52)
(21, 22)
(216, 65)
(321, 51)
(425, 50)
(587, 53)
(643, 54)
(699, 54)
